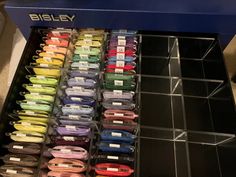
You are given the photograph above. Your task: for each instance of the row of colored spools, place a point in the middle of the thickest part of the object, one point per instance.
(36, 100)
(76, 107)
(116, 148)
(53, 129)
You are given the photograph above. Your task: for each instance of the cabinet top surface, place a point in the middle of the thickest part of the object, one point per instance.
(214, 7)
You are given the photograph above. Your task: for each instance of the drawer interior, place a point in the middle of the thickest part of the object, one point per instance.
(187, 108)
(187, 111)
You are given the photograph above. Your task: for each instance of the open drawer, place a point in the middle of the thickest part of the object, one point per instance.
(186, 107)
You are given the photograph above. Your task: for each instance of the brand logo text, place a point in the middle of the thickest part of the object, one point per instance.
(51, 17)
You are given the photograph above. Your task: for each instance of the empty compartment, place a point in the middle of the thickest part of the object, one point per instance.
(198, 114)
(159, 56)
(156, 110)
(160, 66)
(201, 58)
(227, 156)
(223, 114)
(194, 47)
(161, 111)
(200, 87)
(182, 163)
(204, 161)
(203, 69)
(158, 84)
(154, 45)
(192, 69)
(215, 70)
(156, 158)
(214, 65)
(155, 66)
(155, 84)
(213, 115)
(162, 158)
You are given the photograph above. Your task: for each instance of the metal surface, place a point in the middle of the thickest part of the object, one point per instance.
(212, 16)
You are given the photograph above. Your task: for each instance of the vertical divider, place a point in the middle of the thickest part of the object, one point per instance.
(90, 152)
(184, 117)
(211, 46)
(171, 102)
(139, 104)
(218, 160)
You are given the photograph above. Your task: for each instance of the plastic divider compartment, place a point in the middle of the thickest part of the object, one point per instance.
(212, 161)
(159, 110)
(193, 109)
(162, 158)
(186, 103)
(200, 87)
(227, 156)
(161, 104)
(201, 58)
(160, 84)
(207, 107)
(207, 151)
(159, 55)
(204, 161)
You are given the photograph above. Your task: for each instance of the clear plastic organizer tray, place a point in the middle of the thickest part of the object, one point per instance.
(186, 107)
(187, 110)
